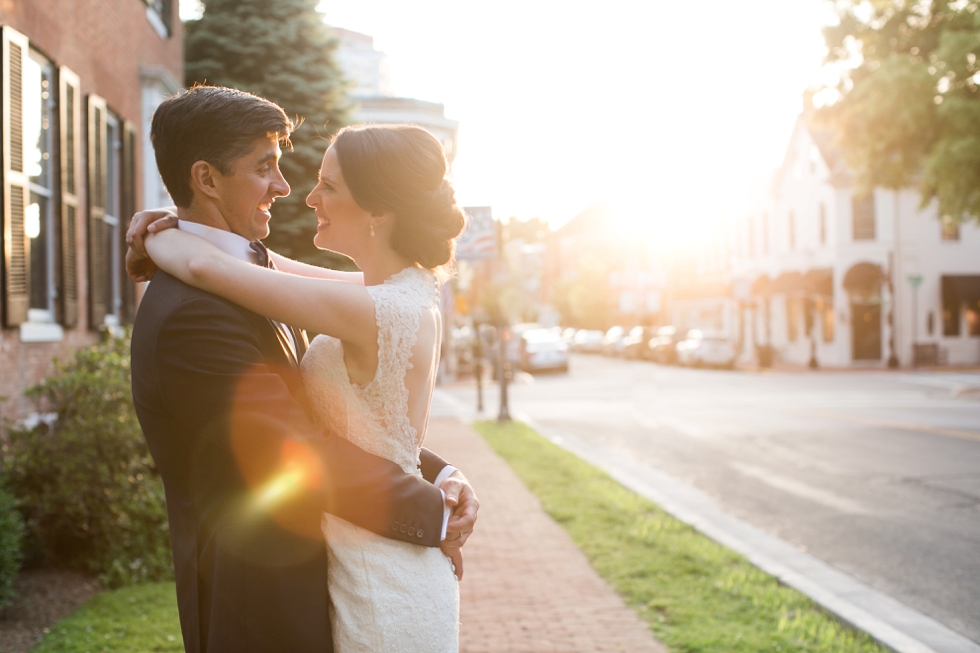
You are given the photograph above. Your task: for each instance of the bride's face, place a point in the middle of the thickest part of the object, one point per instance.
(342, 225)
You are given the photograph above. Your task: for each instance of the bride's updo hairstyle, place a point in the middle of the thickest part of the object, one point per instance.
(401, 170)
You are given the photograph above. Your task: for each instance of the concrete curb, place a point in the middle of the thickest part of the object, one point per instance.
(892, 624)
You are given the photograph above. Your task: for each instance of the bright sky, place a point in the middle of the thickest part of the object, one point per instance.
(669, 110)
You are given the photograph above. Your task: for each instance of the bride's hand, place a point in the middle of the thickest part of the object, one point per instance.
(455, 555)
(139, 265)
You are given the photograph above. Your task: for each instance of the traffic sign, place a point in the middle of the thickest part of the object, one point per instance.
(479, 237)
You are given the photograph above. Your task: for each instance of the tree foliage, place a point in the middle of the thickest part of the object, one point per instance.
(909, 107)
(283, 51)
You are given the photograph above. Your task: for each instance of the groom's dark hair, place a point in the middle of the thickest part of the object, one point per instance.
(214, 124)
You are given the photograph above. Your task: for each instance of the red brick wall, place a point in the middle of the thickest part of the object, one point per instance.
(105, 42)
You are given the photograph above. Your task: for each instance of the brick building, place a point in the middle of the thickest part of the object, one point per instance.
(80, 81)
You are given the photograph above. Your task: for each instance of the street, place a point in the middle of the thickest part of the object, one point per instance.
(876, 473)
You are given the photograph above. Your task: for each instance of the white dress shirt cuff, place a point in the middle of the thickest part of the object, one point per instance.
(446, 472)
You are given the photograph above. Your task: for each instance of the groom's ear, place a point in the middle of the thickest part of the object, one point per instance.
(203, 179)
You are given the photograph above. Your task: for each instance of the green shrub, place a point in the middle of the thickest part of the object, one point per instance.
(11, 536)
(90, 494)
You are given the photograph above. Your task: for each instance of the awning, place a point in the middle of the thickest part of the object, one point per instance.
(864, 278)
(961, 289)
(762, 285)
(819, 281)
(788, 282)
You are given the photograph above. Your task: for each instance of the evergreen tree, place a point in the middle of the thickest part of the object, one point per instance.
(283, 51)
(909, 107)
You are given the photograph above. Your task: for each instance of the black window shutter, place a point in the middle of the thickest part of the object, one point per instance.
(128, 208)
(69, 88)
(16, 193)
(98, 252)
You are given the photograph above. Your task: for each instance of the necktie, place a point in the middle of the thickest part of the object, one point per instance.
(300, 342)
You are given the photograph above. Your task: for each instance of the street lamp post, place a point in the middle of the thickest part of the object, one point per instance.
(504, 414)
(478, 355)
(915, 280)
(893, 292)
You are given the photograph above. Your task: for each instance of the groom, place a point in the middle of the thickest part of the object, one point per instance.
(221, 403)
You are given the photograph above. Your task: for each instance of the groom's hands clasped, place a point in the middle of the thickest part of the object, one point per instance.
(461, 498)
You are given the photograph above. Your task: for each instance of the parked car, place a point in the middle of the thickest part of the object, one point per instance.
(661, 348)
(543, 349)
(636, 341)
(705, 348)
(568, 335)
(612, 341)
(588, 341)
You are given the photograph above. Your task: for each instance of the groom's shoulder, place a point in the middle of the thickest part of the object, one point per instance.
(169, 297)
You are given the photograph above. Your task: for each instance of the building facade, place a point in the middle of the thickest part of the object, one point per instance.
(828, 275)
(373, 95)
(80, 82)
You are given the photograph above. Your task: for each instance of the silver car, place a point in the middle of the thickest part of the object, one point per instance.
(705, 348)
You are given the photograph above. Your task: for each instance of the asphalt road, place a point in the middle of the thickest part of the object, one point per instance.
(876, 473)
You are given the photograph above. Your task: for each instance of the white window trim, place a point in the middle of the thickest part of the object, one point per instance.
(157, 22)
(38, 331)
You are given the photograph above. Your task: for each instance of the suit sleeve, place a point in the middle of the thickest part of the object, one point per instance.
(214, 378)
(431, 465)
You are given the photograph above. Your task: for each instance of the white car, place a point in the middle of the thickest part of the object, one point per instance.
(588, 341)
(543, 349)
(612, 342)
(705, 348)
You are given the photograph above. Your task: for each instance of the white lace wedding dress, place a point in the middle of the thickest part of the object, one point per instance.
(385, 595)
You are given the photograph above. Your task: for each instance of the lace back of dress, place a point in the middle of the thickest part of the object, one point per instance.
(399, 303)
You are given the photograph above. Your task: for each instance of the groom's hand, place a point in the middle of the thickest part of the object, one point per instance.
(461, 498)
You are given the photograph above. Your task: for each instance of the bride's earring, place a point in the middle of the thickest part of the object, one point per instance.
(372, 230)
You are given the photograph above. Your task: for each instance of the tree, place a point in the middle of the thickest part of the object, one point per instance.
(283, 51)
(909, 105)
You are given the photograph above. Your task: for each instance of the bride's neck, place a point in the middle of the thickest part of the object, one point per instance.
(380, 265)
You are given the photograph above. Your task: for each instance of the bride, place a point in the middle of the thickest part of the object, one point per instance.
(382, 198)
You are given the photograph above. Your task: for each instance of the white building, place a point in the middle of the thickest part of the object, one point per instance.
(373, 94)
(823, 273)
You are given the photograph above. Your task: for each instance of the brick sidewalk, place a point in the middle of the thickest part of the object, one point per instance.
(527, 588)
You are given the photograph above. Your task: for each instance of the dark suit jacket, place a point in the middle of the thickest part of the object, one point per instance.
(248, 475)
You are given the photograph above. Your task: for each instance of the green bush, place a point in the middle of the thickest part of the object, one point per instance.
(11, 534)
(90, 494)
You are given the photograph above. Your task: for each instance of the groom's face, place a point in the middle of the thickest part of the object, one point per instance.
(246, 194)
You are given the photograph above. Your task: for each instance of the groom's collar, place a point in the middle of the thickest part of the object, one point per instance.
(226, 241)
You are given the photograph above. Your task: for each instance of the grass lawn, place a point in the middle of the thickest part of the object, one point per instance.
(696, 595)
(136, 619)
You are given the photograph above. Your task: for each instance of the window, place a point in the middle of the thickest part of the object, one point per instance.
(829, 321)
(792, 318)
(972, 320)
(160, 14)
(40, 118)
(823, 224)
(39, 139)
(950, 228)
(112, 277)
(111, 162)
(863, 209)
(951, 318)
(791, 221)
